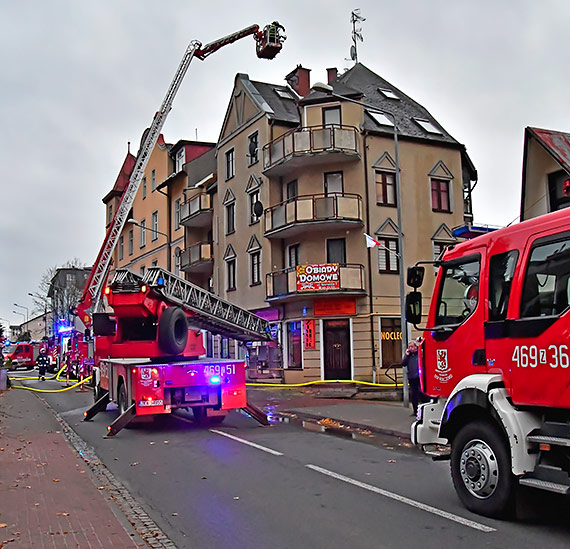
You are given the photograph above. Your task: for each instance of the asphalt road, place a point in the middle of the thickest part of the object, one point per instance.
(241, 485)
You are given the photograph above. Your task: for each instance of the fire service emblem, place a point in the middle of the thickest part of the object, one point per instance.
(442, 371)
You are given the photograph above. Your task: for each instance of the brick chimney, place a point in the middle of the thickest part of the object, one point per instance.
(332, 75)
(300, 80)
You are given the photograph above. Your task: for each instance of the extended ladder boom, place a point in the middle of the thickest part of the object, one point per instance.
(269, 43)
(209, 311)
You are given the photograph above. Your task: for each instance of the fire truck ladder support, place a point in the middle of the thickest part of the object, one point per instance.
(209, 311)
(100, 405)
(122, 421)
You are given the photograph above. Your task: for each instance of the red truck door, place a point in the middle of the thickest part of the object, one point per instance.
(537, 349)
(454, 342)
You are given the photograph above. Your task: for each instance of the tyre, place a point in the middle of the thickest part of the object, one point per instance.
(122, 399)
(481, 470)
(173, 331)
(199, 414)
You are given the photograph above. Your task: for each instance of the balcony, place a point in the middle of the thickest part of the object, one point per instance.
(310, 146)
(313, 212)
(340, 279)
(196, 211)
(197, 258)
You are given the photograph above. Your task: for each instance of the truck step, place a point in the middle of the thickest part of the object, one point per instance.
(545, 485)
(546, 439)
(437, 452)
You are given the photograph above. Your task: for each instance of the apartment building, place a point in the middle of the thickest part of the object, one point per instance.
(273, 216)
(546, 172)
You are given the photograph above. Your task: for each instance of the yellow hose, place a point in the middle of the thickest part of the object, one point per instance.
(285, 385)
(51, 390)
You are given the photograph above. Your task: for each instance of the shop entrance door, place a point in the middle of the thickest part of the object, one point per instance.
(337, 349)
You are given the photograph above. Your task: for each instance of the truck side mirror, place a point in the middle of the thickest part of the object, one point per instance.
(415, 276)
(414, 308)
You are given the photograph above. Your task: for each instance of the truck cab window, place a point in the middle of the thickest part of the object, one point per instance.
(501, 272)
(459, 292)
(546, 289)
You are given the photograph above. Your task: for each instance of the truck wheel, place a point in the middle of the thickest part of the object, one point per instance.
(122, 399)
(481, 470)
(199, 414)
(173, 331)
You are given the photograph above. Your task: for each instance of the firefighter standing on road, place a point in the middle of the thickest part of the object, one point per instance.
(43, 363)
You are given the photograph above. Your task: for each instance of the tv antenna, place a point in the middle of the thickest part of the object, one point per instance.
(355, 18)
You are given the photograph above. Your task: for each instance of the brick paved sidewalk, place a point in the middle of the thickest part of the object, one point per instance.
(47, 498)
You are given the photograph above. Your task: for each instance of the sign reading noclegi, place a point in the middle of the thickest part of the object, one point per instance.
(316, 278)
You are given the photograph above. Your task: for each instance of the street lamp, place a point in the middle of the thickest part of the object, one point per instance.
(327, 89)
(144, 227)
(27, 312)
(45, 301)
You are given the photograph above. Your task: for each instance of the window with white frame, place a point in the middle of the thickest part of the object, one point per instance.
(131, 241)
(293, 255)
(177, 203)
(177, 261)
(180, 159)
(153, 180)
(143, 233)
(121, 247)
(253, 200)
(230, 259)
(154, 225)
(143, 185)
(387, 255)
(230, 164)
(230, 218)
(254, 251)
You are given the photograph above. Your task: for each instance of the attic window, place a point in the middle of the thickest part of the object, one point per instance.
(427, 126)
(389, 94)
(283, 93)
(381, 119)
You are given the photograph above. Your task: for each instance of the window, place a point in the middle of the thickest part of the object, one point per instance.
(388, 260)
(253, 200)
(143, 183)
(110, 214)
(230, 218)
(283, 93)
(153, 180)
(385, 188)
(428, 126)
(546, 286)
(230, 164)
(294, 354)
(389, 94)
(142, 270)
(121, 247)
(231, 274)
(381, 118)
(291, 190)
(143, 233)
(459, 292)
(293, 255)
(255, 267)
(154, 263)
(438, 249)
(440, 196)
(180, 159)
(131, 239)
(331, 116)
(336, 250)
(154, 225)
(253, 151)
(333, 183)
(177, 203)
(177, 261)
(501, 272)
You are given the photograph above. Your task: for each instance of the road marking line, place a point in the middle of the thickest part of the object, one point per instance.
(258, 446)
(403, 499)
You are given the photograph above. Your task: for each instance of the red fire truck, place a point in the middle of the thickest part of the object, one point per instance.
(160, 317)
(495, 362)
(21, 355)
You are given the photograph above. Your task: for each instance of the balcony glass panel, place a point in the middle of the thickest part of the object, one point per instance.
(322, 138)
(344, 139)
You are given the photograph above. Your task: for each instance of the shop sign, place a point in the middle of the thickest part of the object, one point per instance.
(334, 306)
(315, 278)
(391, 335)
(308, 334)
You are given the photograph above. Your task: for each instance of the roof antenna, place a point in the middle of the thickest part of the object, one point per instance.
(196, 134)
(355, 17)
(128, 147)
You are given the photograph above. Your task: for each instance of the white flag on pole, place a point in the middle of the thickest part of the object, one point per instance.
(371, 242)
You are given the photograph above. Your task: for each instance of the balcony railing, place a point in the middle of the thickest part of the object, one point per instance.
(197, 258)
(286, 283)
(296, 215)
(196, 211)
(315, 142)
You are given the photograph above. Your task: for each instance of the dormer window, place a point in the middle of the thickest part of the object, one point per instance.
(388, 94)
(283, 93)
(180, 159)
(381, 119)
(427, 126)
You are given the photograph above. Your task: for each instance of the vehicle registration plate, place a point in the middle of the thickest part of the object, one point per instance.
(151, 402)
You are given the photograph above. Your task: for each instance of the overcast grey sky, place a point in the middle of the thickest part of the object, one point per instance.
(81, 78)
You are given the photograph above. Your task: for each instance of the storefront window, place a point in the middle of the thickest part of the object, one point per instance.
(391, 341)
(294, 345)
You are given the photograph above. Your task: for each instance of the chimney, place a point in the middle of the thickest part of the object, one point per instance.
(332, 75)
(300, 80)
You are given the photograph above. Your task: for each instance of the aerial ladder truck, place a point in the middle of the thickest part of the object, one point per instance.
(146, 336)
